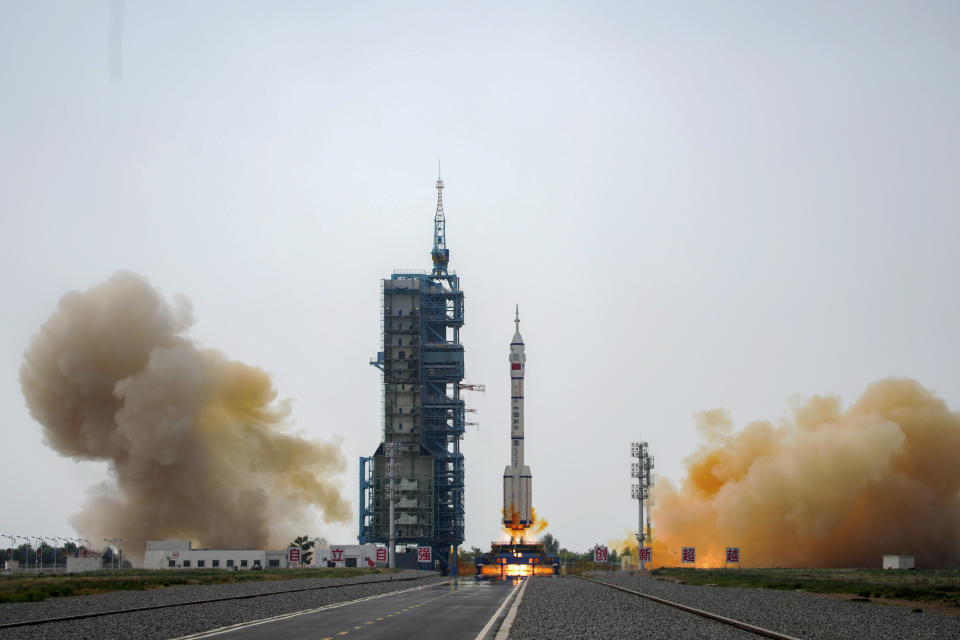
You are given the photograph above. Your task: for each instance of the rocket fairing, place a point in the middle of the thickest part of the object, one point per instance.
(517, 479)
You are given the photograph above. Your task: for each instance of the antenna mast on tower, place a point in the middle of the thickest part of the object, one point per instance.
(440, 253)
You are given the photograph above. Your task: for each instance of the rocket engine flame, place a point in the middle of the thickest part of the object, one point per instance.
(525, 534)
(196, 444)
(825, 488)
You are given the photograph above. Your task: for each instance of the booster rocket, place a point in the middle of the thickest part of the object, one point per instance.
(517, 479)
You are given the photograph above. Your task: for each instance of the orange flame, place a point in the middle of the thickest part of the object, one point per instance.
(528, 533)
(516, 570)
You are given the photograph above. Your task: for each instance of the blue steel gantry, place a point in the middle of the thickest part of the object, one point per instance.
(422, 369)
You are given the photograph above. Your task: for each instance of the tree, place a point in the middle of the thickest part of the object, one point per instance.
(305, 543)
(551, 545)
(25, 555)
(465, 556)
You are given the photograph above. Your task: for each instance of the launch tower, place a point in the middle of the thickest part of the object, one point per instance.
(422, 419)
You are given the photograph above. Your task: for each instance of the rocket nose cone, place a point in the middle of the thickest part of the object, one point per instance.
(516, 331)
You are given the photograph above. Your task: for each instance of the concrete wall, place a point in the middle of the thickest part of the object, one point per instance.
(898, 562)
(82, 564)
(350, 555)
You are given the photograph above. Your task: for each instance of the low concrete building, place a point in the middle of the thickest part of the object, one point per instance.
(350, 555)
(180, 554)
(83, 560)
(899, 562)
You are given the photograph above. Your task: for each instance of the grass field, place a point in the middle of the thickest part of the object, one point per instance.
(33, 588)
(923, 585)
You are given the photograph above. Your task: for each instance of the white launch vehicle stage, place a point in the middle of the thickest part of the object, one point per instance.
(517, 479)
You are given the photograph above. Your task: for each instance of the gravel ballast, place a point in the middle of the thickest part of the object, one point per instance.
(568, 602)
(567, 607)
(178, 621)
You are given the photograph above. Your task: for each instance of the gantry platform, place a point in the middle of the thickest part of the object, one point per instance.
(508, 559)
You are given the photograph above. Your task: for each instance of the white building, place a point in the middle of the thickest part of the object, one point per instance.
(83, 560)
(350, 555)
(899, 562)
(179, 554)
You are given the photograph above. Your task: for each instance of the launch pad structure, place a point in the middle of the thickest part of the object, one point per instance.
(415, 478)
(509, 559)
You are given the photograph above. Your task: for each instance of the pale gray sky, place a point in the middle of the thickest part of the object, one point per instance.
(695, 205)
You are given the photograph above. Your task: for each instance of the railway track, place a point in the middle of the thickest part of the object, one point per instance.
(767, 633)
(98, 614)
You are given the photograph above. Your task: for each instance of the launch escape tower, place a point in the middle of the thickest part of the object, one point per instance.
(422, 417)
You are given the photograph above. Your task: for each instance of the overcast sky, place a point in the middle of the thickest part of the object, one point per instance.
(696, 205)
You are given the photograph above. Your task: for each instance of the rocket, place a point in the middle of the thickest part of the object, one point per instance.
(517, 479)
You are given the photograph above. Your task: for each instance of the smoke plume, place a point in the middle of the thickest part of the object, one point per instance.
(826, 487)
(540, 524)
(198, 445)
(625, 545)
(529, 534)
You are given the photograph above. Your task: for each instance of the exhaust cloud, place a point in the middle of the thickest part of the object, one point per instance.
(826, 487)
(198, 446)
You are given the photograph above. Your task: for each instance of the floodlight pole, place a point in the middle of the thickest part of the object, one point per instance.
(26, 559)
(13, 546)
(641, 470)
(55, 548)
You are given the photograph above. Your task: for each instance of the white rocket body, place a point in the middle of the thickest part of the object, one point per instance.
(517, 479)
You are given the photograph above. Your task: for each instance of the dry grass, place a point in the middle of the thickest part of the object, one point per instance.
(34, 588)
(915, 585)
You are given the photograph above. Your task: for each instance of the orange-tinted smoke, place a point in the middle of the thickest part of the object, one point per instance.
(530, 533)
(198, 445)
(539, 525)
(827, 487)
(626, 545)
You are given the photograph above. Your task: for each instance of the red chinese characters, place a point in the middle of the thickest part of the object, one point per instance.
(688, 554)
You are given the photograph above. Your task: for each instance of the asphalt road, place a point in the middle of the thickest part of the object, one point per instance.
(459, 609)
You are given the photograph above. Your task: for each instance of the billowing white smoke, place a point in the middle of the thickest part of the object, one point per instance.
(198, 446)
